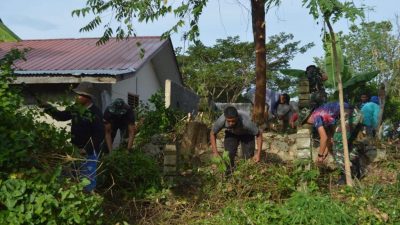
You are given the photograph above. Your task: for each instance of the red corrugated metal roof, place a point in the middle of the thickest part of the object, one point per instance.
(83, 54)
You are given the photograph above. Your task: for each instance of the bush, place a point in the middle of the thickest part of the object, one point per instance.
(31, 191)
(156, 119)
(35, 198)
(275, 182)
(131, 174)
(23, 138)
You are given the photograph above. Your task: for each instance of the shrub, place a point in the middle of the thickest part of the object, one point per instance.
(275, 182)
(131, 174)
(35, 198)
(23, 138)
(156, 119)
(28, 195)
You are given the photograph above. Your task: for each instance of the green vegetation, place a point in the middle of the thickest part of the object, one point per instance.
(34, 156)
(154, 119)
(33, 189)
(34, 198)
(130, 174)
(6, 34)
(221, 72)
(270, 193)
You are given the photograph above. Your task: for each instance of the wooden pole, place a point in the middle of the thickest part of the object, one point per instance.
(258, 22)
(349, 181)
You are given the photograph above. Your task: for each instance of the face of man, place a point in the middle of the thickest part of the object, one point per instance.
(310, 120)
(364, 98)
(231, 121)
(82, 100)
(282, 99)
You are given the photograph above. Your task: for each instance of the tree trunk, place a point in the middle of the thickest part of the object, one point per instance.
(341, 102)
(258, 22)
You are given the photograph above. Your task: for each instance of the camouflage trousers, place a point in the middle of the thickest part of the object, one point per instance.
(338, 147)
(317, 98)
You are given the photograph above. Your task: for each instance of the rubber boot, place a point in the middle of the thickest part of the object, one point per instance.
(356, 168)
(342, 179)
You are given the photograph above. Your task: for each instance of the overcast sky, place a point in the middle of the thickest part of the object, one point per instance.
(48, 19)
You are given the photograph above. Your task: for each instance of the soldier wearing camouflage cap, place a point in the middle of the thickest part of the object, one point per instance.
(119, 116)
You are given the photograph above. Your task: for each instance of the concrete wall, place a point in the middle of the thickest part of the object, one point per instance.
(247, 107)
(181, 98)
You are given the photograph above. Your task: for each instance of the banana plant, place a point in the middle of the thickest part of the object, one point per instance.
(350, 81)
(330, 64)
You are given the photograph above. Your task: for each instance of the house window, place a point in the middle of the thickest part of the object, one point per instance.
(133, 100)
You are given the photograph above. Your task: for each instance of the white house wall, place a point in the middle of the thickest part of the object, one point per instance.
(145, 83)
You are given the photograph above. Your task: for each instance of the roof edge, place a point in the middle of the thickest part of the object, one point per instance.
(63, 79)
(75, 72)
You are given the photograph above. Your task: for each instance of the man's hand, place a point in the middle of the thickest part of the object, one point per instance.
(324, 77)
(256, 158)
(216, 154)
(43, 104)
(321, 158)
(82, 151)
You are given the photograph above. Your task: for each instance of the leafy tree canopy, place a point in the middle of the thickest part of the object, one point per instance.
(373, 46)
(126, 12)
(223, 71)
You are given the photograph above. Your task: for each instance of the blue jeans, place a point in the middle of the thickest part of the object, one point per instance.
(88, 169)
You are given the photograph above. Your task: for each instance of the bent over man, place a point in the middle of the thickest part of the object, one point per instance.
(326, 119)
(119, 116)
(238, 129)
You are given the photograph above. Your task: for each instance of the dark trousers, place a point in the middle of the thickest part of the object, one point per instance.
(231, 144)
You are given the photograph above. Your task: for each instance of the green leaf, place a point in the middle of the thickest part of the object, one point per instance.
(293, 72)
(360, 79)
(329, 60)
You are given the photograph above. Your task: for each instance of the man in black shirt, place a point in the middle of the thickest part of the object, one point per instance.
(87, 130)
(119, 116)
(316, 77)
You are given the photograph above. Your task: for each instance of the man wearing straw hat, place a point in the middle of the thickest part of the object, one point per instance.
(87, 130)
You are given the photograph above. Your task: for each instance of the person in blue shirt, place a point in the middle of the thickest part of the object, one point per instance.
(364, 98)
(370, 111)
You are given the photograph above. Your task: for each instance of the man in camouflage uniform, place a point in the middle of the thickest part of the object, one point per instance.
(326, 119)
(353, 120)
